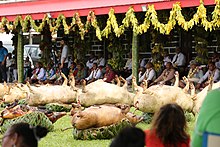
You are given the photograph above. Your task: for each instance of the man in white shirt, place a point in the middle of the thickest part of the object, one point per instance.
(212, 72)
(127, 70)
(166, 58)
(179, 62)
(91, 60)
(100, 61)
(64, 57)
(149, 75)
(95, 74)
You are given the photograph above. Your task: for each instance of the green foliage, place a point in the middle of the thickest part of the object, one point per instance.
(57, 107)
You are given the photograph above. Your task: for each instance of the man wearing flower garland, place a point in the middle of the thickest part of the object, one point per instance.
(194, 74)
(213, 72)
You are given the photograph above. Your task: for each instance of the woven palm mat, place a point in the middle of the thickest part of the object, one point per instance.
(33, 118)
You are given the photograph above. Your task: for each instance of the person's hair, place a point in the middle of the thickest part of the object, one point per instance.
(1, 43)
(40, 64)
(150, 63)
(65, 39)
(212, 63)
(129, 137)
(95, 64)
(29, 135)
(109, 65)
(169, 125)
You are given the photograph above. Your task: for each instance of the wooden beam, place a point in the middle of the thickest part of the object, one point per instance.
(135, 51)
(20, 56)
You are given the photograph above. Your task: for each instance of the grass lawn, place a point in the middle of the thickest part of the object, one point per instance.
(59, 138)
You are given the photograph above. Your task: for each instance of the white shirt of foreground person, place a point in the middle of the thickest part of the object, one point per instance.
(64, 54)
(208, 74)
(90, 62)
(149, 75)
(96, 74)
(179, 59)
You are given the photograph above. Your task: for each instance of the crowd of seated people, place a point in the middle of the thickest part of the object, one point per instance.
(98, 68)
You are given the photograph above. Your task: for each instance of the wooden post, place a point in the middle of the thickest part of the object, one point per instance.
(20, 56)
(135, 53)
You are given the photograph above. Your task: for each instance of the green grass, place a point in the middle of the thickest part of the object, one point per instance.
(59, 138)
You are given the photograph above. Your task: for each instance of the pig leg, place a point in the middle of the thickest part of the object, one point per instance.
(65, 79)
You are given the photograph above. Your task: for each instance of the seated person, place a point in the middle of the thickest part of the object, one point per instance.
(194, 74)
(168, 128)
(73, 69)
(81, 73)
(90, 61)
(179, 61)
(95, 74)
(101, 60)
(166, 58)
(129, 137)
(208, 119)
(56, 78)
(149, 74)
(140, 74)
(38, 73)
(109, 74)
(167, 76)
(23, 135)
(127, 70)
(212, 72)
(49, 73)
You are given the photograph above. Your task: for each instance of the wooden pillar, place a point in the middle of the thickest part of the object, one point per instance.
(20, 56)
(135, 53)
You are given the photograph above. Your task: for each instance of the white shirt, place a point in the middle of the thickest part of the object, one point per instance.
(179, 59)
(96, 74)
(40, 75)
(64, 54)
(90, 62)
(149, 75)
(100, 61)
(166, 59)
(217, 64)
(128, 64)
(143, 62)
(208, 74)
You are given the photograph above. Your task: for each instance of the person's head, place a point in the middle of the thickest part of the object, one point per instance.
(178, 50)
(193, 64)
(169, 124)
(169, 65)
(80, 66)
(39, 65)
(211, 66)
(165, 54)
(23, 135)
(142, 69)
(49, 66)
(92, 55)
(129, 137)
(108, 67)
(9, 55)
(149, 65)
(94, 66)
(63, 41)
(73, 65)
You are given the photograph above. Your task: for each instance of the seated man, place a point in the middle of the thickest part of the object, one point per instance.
(95, 74)
(149, 75)
(194, 74)
(81, 73)
(109, 74)
(127, 70)
(167, 76)
(212, 72)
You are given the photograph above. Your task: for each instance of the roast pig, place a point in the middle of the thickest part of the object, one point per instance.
(100, 92)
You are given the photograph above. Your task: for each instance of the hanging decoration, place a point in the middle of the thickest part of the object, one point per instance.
(130, 20)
